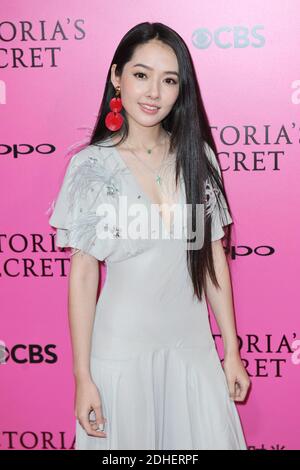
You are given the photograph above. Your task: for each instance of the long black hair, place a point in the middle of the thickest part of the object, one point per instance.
(189, 127)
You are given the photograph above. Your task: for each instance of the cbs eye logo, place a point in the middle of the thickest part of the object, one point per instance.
(28, 354)
(227, 37)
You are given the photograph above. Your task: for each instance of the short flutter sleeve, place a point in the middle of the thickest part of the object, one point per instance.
(216, 204)
(87, 183)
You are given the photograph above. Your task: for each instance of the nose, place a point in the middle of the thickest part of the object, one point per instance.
(153, 91)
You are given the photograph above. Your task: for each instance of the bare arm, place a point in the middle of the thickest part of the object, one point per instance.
(221, 299)
(83, 286)
(222, 305)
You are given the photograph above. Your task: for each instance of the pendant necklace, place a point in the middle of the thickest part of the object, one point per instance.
(156, 172)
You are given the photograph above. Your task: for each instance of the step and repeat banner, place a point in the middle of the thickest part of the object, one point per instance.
(54, 59)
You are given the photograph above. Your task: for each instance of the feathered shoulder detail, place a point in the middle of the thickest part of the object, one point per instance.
(92, 176)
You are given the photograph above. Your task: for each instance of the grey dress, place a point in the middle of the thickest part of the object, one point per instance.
(153, 357)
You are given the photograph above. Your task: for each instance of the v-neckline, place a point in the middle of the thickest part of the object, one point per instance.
(142, 192)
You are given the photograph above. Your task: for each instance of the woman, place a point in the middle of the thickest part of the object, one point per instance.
(147, 371)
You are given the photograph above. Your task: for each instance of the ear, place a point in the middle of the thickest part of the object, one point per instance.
(114, 79)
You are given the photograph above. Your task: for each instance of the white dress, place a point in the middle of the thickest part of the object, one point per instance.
(153, 356)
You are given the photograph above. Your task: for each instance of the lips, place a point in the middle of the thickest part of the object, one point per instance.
(152, 106)
(149, 110)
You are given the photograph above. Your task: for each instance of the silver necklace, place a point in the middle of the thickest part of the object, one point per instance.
(156, 172)
(149, 150)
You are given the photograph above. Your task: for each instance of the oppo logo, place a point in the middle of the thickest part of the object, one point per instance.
(28, 354)
(17, 150)
(227, 37)
(244, 250)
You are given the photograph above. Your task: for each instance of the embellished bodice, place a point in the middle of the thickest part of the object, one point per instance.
(92, 209)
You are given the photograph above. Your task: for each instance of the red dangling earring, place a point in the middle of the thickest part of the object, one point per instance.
(114, 119)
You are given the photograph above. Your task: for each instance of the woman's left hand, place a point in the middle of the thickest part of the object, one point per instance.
(237, 378)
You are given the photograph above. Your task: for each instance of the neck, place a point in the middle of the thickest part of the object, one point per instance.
(141, 137)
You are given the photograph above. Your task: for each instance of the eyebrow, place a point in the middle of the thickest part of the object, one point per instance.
(150, 68)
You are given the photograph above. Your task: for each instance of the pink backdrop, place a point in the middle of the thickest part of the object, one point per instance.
(54, 57)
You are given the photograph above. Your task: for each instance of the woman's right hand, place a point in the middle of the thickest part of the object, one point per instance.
(88, 400)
